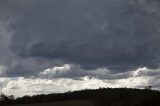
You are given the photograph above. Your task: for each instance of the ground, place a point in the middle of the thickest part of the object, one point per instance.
(62, 103)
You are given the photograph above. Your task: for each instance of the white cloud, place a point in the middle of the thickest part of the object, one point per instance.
(20, 86)
(26, 86)
(56, 70)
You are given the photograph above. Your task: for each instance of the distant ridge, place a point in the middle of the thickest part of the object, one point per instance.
(100, 97)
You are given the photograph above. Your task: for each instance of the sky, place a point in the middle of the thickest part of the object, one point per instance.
(50, 46)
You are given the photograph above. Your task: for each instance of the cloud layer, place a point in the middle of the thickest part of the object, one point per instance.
(108, 41)
(92, 32)
(20, 86)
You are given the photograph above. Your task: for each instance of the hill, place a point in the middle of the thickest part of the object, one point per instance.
(99, 97)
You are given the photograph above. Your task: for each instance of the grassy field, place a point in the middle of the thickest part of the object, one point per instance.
(62, 103)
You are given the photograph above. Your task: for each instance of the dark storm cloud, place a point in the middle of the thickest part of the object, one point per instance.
(29, 66)
(90, 32)
(119, 35)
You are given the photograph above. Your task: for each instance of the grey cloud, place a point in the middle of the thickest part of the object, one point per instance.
(100, 33)
(29, 67)
(120, 35)
(5, 54)
(76, 72)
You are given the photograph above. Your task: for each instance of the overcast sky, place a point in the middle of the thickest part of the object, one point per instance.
(65, 45)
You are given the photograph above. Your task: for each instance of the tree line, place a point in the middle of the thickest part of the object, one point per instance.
(100, 97)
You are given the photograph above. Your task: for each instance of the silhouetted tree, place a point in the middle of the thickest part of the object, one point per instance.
(148, 87)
